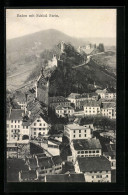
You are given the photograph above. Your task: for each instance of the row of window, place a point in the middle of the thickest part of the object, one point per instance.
(92, 107)
(58, 168)
(97, 171)
(79, 135)
(39, 124)
(15, 126)
(35, 129)
(15, 121)
(86, 152)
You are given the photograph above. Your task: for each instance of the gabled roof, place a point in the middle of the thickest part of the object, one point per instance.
(57, 99)
(75, 127)
(65, 178)
(108, 105)
(92, 104)
(57, 160)
(16, 114)
(45, 162)
(73, 95)
(111, 149)
(64, 107)
(87, 164)
(86, 144)
(31, 174)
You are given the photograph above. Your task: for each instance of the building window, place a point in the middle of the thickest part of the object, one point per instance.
(18, 121)
(85, 135)
(106, 175)
(92, 176)
(74, 131)
(40, 124)
(11, 126)
(15, 126)
(43, 128)
(11, 121)
(79, 131)
(26, 127)
(90, 151)
(18, 126)
(86, 152)
(34, 124)
(97, 151)
(82, 152)
(44, 124)
(34, 128)
(15, 121)
(74, 136)
(38, 120)
(39, 128)
(79, 135)
(106, 171)
(12, 131)
(78, 152)
(34, 133)
(94, 151)
(85, 131)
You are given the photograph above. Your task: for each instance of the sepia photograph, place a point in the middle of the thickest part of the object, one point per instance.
(61, 78)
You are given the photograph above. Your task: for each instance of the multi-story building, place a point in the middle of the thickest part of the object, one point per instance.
(95, 169)
(15, 129)
(19, 129)
(39, 126)
(110, 154)
(63, 111)
(75, 131)
(85, 148)
(92, 108)
(108, 109)
(78, 99)
(65, 178)
(108, 93)
(58, 101)
(45, 165)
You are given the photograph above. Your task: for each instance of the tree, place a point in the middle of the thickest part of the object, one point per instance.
(101, 47)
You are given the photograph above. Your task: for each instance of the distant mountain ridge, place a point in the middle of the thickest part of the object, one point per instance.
(51, 37)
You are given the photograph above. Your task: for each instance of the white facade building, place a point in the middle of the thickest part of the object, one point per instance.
(92, 108)
(39, 126)
(95, 169)
(75, 131)
(85, 148)
(63, 111)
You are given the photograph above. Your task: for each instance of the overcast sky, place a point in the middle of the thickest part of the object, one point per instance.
(73, 22)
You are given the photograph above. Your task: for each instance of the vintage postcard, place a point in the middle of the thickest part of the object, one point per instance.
(61, 95)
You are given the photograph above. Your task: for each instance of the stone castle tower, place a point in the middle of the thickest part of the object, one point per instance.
(42, 88)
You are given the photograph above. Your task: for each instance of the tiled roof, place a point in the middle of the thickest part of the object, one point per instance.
(108, 105)
(92, 104)
(111, 149)
(87, 164)
(16, 114)
(65, 178)
(56, 160)
(54, 141)
(75, 127)
(64, 107)
(31, 174)
(45, 162)
(86, 144)
(20, 97)
(73, 95)
(57, 99)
